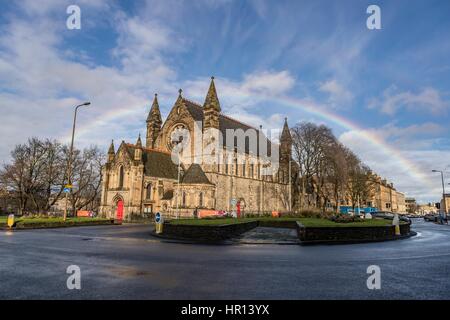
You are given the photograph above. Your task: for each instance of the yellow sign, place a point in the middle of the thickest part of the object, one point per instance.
(68, 186)
(10, 220)
(159, 227)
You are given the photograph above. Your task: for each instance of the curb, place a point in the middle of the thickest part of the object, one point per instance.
(301, 243)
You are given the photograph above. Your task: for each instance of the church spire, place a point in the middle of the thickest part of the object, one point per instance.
(212, 101)
(139, 142)
(286, 133)
(211, 108)
(154, 123)
(154, 110)
(111, 148)
(111, 152)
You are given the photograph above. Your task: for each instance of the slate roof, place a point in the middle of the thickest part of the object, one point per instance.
(225, 123)
(156, 163)
(195, 175)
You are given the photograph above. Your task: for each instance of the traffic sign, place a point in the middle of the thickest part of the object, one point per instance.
(158, 217)
(68, 186)
(66, 190)
(233, 202)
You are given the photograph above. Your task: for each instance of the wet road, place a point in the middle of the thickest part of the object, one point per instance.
(124, 262)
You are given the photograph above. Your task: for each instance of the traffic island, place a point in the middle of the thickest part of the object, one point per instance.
(309, 230)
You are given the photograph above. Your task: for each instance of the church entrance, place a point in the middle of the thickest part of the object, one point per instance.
(119, 213)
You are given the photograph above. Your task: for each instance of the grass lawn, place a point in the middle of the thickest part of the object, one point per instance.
(307, 222)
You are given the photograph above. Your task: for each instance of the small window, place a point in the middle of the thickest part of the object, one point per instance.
(184, 199)
(148, 192)
(200, 199)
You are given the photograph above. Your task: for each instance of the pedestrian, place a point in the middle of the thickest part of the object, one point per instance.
(195, 213)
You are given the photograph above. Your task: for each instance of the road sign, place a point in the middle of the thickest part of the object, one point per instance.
(233, 202)
(157, 217)
(66, 190)
(68, 186)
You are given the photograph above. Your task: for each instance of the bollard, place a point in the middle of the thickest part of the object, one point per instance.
(10, 221)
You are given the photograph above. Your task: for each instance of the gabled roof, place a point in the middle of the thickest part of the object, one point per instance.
(196, 111)
(157, 163)
(195, 175)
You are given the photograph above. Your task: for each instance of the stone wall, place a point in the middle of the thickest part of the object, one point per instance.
(207, 232)
(349, 234)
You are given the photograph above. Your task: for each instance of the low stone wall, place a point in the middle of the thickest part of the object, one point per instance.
(349, 234)
(207, 232)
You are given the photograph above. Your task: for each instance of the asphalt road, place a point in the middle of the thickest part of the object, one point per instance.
(124, 262)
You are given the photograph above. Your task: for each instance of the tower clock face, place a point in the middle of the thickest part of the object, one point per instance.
(178, 134)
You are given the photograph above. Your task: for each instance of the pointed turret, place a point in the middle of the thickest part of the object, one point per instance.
(212, 101)
(111, 152)
(138, 149)
(139, 142)
(286, 133)
(285, 144)
(154, 110)
(154, 123)
(211, 108)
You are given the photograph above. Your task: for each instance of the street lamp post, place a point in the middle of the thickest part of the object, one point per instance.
(444, 207)
(69, 162)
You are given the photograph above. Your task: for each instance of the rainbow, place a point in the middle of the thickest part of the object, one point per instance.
(306, 106)
(345, 123)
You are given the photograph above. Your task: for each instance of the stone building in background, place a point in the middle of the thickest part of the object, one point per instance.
(216, 171)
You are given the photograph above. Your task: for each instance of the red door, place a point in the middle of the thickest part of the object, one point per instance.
(120, 210)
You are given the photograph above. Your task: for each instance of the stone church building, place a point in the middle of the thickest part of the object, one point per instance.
(190, 161)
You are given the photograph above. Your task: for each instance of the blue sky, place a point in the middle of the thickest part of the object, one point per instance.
(393, 83)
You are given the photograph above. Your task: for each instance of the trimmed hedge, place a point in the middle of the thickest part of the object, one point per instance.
(57, 224)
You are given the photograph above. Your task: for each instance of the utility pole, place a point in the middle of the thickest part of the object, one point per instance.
(444, 207)
(178, 184)
(290, 187)
(69, 162)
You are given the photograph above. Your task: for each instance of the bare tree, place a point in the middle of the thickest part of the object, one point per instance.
(23, 175)
(86, 177)
(336, 173)
(36, 174)
(360, 183)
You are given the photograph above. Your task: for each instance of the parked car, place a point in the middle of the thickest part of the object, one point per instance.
(383, 214)
(431, 217)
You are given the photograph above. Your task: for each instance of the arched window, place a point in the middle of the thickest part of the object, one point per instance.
(200, 199)
(121, 177)
(244, 168)
(148, 192)
(236, 166)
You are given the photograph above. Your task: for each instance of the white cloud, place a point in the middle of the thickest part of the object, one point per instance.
(428, 100)
(41, 83)
(390, 164)
(338, 95)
